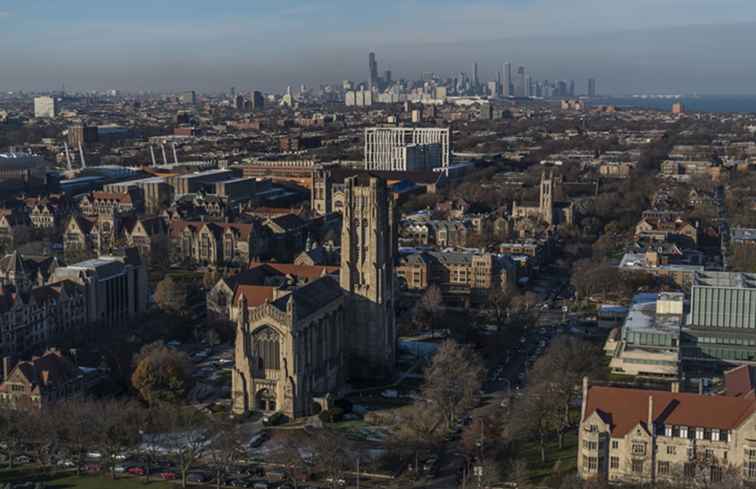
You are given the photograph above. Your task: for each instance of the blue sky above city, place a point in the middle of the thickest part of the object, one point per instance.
(167, 44)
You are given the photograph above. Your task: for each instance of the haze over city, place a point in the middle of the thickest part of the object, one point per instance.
(671, 46)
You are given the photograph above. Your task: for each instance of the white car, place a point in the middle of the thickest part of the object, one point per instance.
(94, 454)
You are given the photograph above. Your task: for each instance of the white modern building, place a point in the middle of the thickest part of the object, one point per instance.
(45, 107)
(407, 148)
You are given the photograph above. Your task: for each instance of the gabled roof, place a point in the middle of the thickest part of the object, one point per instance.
(739, 382)
(299, 271)
(311, 297)
(49, 369)
(626, 408)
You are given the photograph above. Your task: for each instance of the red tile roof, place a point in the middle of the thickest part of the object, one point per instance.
(739, 382)
(625, 408)
(255, 295)
(303, 271)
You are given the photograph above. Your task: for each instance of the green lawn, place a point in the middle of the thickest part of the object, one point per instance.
(559, 462)
(68, 481)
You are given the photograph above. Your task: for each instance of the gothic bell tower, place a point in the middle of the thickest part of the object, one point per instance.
(368, 242)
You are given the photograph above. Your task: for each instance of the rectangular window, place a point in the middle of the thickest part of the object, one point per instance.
(749, 470)
(614, 462)
(667, 430)
(699, 433)
(590, 445)
(615, 444)
(683, 431)
(639, 449)
(663, 468)
(716, 473)
(671, 450)
(637, 466)
(689, 470)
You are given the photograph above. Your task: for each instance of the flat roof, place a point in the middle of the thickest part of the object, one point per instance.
(744, 234)
(732, 280)
(642, 316)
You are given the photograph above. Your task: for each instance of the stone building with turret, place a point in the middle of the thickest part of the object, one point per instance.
(297, 345)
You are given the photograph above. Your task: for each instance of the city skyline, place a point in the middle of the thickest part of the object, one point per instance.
(269, 46)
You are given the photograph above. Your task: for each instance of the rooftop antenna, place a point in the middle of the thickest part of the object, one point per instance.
(83, 160)
(68, 156)
(152, 153)
(165, 158)
(175, 155)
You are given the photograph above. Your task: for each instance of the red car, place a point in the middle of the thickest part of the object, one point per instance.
(169, 476)
(136, 470)
(92, 468)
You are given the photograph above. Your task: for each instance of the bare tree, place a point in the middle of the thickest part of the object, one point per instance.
(225, 448)
(75, 424)
(292, 459)
(115, 426)
(429, 308)
(12, 433)
(536, 415)
(187, 438)
(418, 430)
(332, 456)
(453, 380)
(560, 371)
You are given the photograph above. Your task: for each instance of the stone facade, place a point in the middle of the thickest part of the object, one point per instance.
(297, 344)
(368, 249)
(635, 435)
(549, 211)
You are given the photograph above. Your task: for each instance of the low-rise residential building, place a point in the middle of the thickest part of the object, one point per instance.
(677, 231)
(33, 318)
(638, 435)
(218, 243)
(457, 273)
(43, 380)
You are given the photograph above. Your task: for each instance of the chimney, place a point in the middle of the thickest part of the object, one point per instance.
(585, 398)
(650, 424)
(7, 367)
(675, 387)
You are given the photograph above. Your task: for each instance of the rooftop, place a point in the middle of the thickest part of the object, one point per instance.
(744, 234)
(733, 280)
(643, 316)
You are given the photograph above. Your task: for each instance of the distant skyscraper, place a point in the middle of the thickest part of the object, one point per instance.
(522, 88)
(258, 101)
(572, 88)
(387, 77)
(591, 87)
(45, 107)
(373, 64)
(476, 82)
(506, 84)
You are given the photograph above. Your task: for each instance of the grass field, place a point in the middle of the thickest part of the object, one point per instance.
(559, 462)
(69, 481)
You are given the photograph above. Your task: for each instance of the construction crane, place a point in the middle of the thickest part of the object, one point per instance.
(152, 152)
(175, 155)
(165, 158)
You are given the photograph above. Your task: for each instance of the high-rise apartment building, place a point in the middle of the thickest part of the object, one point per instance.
(373, 65)
(521, 90)
(258, 101)
(591, 87)
(45, 107)
(82, 134)
(407, 149)
(506, 84)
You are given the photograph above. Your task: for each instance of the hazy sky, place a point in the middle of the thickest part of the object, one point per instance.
(702, 46)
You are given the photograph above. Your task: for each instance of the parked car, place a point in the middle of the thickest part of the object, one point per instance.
(261, 485)
(238, 483)
(168, 475)
(136, 470)
(93, 468)
(197, 477)
(23, 459)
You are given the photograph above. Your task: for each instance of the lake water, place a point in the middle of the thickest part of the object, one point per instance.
(736, 104)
